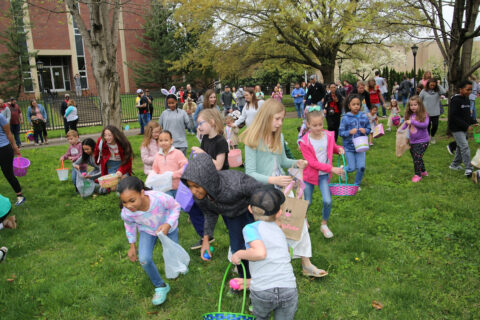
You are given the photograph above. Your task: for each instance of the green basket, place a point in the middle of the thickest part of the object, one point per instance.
(219, 315)
(476, 134)
(343, 189)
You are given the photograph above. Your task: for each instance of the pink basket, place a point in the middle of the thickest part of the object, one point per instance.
(342, 189)
(235, 158)
(20, 166)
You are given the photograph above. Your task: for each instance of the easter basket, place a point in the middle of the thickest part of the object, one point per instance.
(20, 166)
(476, 134)
(219, 315)
(62, 172)
(108, 181)
(343, 189)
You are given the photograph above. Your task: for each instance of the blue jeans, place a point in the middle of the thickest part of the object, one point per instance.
(281, 301)
(15, 128)
(143, 120)
(404, 100)
(473, 110)
(235, 231)
(113, 166)
(300, 109)
(172, 193)
(356, 161)
(384, 110)
(146, 243)
(326, 195)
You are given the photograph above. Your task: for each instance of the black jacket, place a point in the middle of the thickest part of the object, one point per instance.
(316, 92)
(460, 116)
(365, 96)
(328, 99)
(229, 191)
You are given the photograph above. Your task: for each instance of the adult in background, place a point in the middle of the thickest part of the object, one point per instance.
(226, 99)
(333, 109)
(190, 92)
(364, 95)
(240, 98)
(473, 96)
(176, 121)
(149, 104)
(209, 101)
(395, 90)
(250, 110)
(16, 119)
(78, 85)
(180, 95)
(383, 86)
(63, 108)
(37, 117)
(348, 87)
(5, 110)
(426, 76)
(431, 98)
(404, 90)
(142, 107)
(316, 91)
(8, 149)
(297, 94)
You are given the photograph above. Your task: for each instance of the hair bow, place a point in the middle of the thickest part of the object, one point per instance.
(315, 108)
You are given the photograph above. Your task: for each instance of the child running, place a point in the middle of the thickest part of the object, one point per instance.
(373, 120)
(273, 287)
(231, 132)
(169, 159)
(394, 111)
(149, 212)
(149, 148)
(354, 124)
(318, 147)
(416, 118)
(87, 159)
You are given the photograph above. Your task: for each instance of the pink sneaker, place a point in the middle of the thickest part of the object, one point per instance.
(424, 174)
(416, 178)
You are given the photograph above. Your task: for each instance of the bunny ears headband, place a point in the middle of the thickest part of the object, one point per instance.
(170, 93)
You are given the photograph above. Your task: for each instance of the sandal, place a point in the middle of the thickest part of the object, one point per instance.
(312, 271)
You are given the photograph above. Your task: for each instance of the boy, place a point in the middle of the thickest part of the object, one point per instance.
(460, 121)
(273, 287)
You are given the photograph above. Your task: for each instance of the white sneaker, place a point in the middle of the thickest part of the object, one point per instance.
(433, 141)
(456, 168)
(326, 231)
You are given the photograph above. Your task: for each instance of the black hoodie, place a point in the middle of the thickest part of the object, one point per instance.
(460, 116)
(228, 191)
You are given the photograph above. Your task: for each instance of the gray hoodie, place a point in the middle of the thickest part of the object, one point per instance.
(176, 122)
(229, 191)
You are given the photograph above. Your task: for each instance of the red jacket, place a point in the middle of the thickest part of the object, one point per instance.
(310, 173)
(102, 160)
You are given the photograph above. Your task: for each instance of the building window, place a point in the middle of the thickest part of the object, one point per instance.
(82, 67)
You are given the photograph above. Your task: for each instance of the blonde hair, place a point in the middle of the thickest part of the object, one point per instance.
(259, 215)
(72, 133)
(213, 115)
(149, 132)
(229, 119)
(261, 128)
(71, 102)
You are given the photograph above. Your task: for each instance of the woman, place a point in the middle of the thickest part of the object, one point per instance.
(8, 149)
(333, 109)
(209, 101)
(426, 77)
(250, 109)
(395, 90)
(37, 116)
(431, 98)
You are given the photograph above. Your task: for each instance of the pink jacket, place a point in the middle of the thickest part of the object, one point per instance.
(148, 155)
(174, 161)
(310, 173)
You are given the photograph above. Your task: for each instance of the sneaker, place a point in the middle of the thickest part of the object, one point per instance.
(450, 150)
(160, 295)
(424, 174)
(20, 200)
(326, 231)
(416, 178)
(433, 141)
(456, 168)
(3, 253)
(468, 173)
(198, 244)
(476, 176)
(370, 144)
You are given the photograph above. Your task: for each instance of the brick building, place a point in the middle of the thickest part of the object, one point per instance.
(53, 36)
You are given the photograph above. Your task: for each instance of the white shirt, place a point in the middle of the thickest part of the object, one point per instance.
(248, 114)
(382, 84)
(320, 147)
(114, 154)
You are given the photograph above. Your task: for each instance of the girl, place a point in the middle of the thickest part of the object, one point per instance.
(169, 159)
(431, 97)
(88, 147)
(264, 159)
(374, 94)
(231, 132)
(373, 121)
(317, 147)
(210, 125)
(149, 147)
(258, 93)
(417, 119)
(394, 111)
(71, 115)
(175, 120)
(209, 102)
(333, 104)
(37, 116)
(250, 109)
(149, 212)
(190, 107)
(277, 94)
(354, 123)
(113, 152)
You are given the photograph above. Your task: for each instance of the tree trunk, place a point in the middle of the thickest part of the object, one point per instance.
(328, 70)
(108, 87)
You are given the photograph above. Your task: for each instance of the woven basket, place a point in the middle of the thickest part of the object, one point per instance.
(219, 315)
(343, 189)
(108, 181)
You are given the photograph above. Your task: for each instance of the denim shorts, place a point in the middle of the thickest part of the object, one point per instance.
(281, 301)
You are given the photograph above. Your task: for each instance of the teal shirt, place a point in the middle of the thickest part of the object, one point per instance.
(260, 163)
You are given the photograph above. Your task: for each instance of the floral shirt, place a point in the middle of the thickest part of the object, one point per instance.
(163, 209)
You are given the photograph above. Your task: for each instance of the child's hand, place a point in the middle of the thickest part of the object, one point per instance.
(61, 158)
(353, 131)
(132, 253)
(338, 171)
(236, 257)
(119, 174)
(341, 150)
(197, 150)
(282, 181)
(76, 166)
(205, 248)
(163, 228)
(408, 122)
(88, 176)
(362, 130)
(302, 164)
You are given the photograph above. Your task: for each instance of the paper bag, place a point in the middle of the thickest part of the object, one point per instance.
(476, 159)
(402, 143)
(378, 131)
(294, 211)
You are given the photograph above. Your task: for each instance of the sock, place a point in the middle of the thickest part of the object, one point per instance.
(1, 226)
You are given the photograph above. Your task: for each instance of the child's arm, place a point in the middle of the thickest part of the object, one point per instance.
(420, 125)
(181, 164)
(126, 168)
(256, 252)
(343, 130)
(312, 160)
(69, 109)
(219, 161)
(172, 211)
(146, 158)
(67, 154)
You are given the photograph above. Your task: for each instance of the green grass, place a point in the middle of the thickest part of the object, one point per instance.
(417, 247)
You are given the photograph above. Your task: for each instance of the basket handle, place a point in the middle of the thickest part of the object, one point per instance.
(61, 164)
(223, 285)
(344, 168)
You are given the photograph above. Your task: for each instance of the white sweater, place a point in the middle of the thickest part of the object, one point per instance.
(248, 114)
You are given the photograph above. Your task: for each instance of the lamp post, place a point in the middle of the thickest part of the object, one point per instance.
(40, 69)
(414, 51)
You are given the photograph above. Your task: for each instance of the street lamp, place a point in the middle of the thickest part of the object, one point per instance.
(40, 65)
(414, 51)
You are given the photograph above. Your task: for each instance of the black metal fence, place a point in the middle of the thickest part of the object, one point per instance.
(88, 109)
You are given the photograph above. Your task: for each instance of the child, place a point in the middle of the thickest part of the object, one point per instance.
(373, 120)
(417, 118)
(226, 193)
(5, 210)
(149, 147)
(71, 115)
(149, 212)
(113, 152)
(190, 108)
(74, 149)
(354, 124)
(231, 132)
(460, 122)
(82, 163)
(273, 287)
(169, 159)
(318, 146)
(375, 95)
(394, 111)
(431, 97)
(210, 125)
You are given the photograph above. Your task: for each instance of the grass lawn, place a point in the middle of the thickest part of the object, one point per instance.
(412, 247)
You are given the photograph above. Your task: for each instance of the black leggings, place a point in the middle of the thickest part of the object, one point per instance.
(433, 125)
(333, 123)
(6, 162)
(72, 125)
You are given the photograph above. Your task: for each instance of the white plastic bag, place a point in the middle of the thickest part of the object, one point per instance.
(175, 257)
(476, 159)
(160, 182)
(84, 186)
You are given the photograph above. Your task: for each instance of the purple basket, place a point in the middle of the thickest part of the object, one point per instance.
(20, 166)
(342, 189)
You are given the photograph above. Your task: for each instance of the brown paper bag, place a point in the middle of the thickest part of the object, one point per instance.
(294, 212)
(402, 143)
